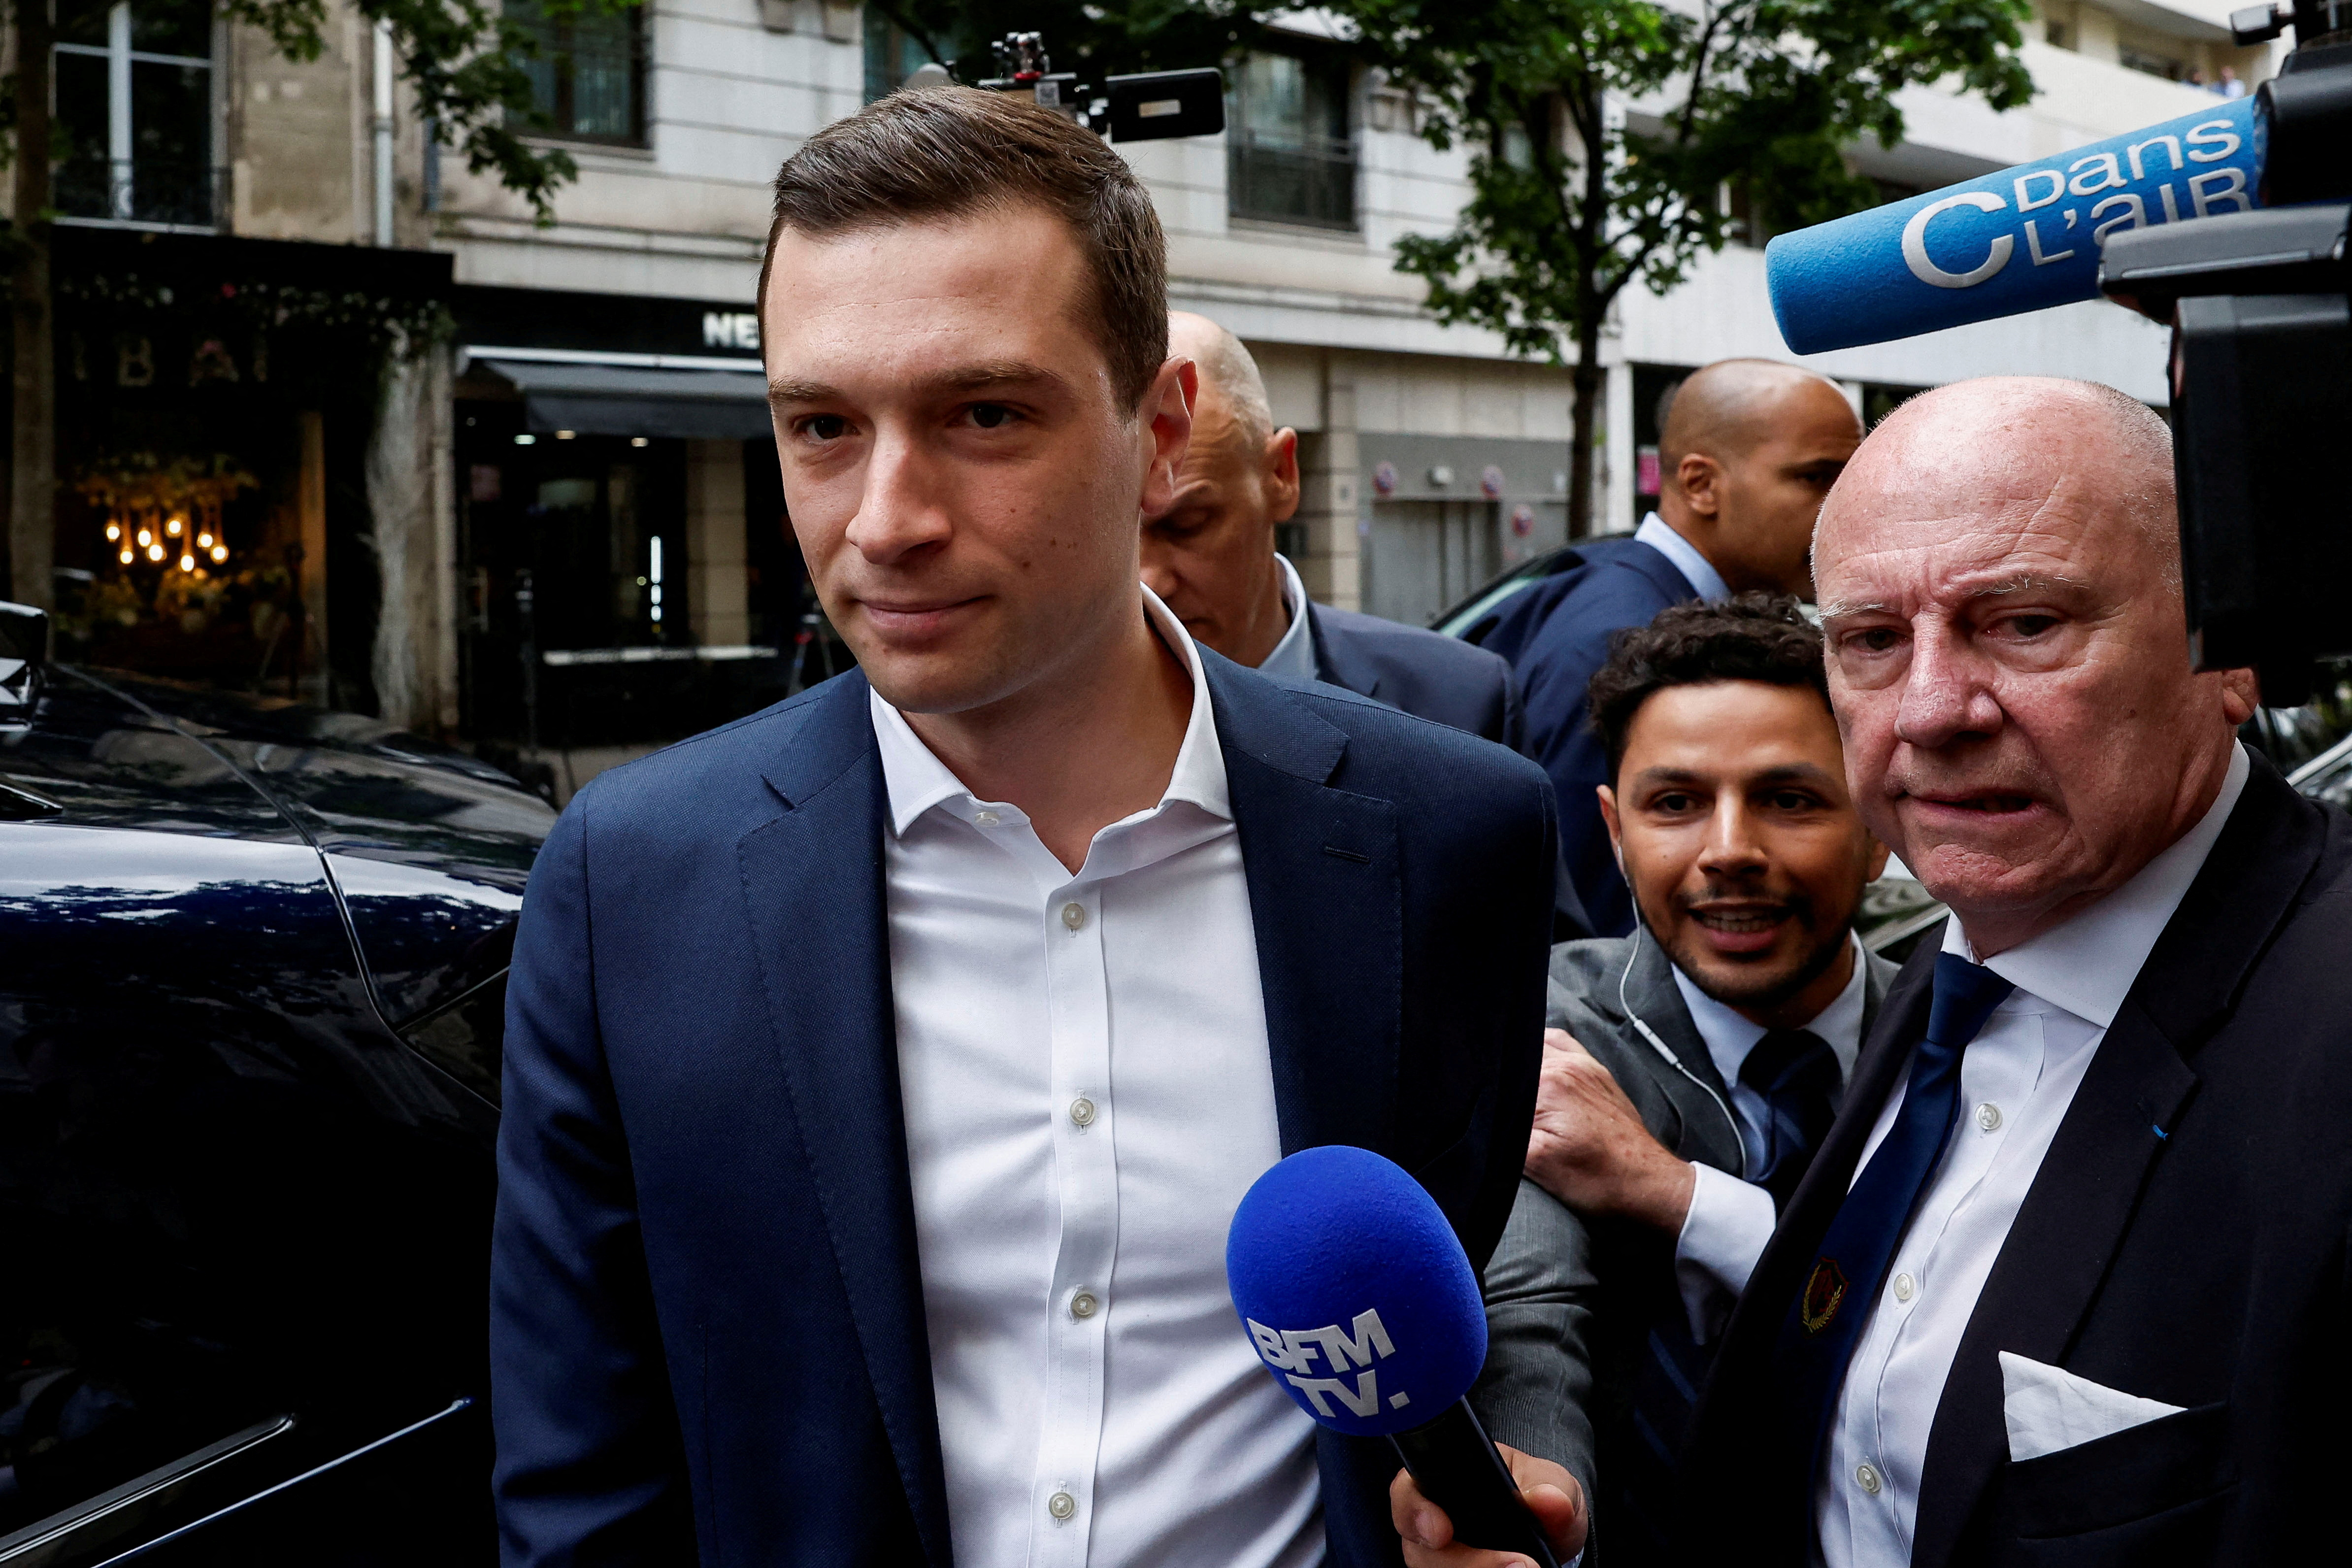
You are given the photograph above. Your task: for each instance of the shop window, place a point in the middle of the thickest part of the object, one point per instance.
(588, 77)
(134, 109)
(1290, 142)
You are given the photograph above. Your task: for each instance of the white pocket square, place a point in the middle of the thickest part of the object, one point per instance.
(2048, 1408)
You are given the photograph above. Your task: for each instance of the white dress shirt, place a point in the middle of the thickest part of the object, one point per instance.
(1731, 1219)
(2017, 1079)
(1292, 658)
(1705, 580)
(1084, 1063)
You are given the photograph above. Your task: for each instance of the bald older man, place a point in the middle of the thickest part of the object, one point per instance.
(1210, 556)
(2068, 1281)
(1749, 448)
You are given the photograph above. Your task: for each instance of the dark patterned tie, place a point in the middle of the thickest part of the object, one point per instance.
(1825, 1320)
(1797, 1074)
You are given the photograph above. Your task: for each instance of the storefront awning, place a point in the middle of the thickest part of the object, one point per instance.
(622, 400)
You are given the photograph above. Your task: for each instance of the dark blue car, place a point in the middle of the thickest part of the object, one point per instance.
(252, 973)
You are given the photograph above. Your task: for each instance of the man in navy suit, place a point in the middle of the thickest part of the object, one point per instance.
(1749, 448)
(1211, 559)
(883, 1070)
(2065, 1284)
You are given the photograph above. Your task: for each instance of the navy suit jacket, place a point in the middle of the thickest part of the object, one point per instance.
(1556, 636)
(2188, 1238)
(1435, 677)
(707, 1330)
(1419, 671)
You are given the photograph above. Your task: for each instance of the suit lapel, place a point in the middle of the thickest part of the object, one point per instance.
(1326, 903)
(1652, 994)
(2133, 1098)
(1337, 663)
(828, 992)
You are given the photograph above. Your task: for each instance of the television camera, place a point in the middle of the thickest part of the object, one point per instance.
(2262, 370)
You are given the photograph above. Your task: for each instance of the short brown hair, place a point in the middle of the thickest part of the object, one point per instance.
(950, 151)
(1751, 637)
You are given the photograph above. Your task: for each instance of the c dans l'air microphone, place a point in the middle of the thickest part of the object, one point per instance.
(1360, 1302)
(2019, 240)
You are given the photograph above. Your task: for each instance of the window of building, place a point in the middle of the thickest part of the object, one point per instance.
(133, 87)
(1750, 226)
(1290, 141)
(892, 55)
(2139, 58)
(588, 77)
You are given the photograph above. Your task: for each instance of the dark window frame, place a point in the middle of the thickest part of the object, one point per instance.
(1324, 167)
(557, 119)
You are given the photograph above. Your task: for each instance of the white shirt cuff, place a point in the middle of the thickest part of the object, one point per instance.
(1722, 1237)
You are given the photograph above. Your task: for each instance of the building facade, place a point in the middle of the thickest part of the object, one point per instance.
(592, 556)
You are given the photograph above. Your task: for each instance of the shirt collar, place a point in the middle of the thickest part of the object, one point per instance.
(1730, 1036)
(1705, 580)
(918, 781)
(1292, 658)
(2088, 964)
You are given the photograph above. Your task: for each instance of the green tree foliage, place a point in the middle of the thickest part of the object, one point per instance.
(1603, 134)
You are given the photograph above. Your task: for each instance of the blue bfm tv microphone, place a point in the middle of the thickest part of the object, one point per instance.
(1360, 1302)
(2019, 240)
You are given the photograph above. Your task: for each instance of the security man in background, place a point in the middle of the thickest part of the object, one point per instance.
(1749, 448)
(1211, 559)
(1690, 1070)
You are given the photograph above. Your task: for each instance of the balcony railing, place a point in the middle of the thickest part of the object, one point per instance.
(141, 192)
(1287, 178)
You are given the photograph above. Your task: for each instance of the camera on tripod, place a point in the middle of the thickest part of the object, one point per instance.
(2261, 370)
(1150, 106)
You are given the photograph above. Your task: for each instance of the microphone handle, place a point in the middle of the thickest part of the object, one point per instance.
(1455, 1463)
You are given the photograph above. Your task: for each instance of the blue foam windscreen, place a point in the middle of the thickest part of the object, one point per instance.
(1354, 1291)
(2019, 240)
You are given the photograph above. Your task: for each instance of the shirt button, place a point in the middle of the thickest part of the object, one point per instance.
(1082, 1111)
(1866, 1473)
(1074, 915)
(987, 818)
(1083, 1304)
(1989, 1116)
(1906, 1286)
(1061, 1505)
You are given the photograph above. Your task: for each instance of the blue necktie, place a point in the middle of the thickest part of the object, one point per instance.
(1796, 1074)
(1823, 1323)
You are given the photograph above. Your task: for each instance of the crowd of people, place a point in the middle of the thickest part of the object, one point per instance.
(883, 1069)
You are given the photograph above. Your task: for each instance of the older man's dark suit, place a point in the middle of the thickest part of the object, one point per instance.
(707, 1334)
(1571, 1301)
(1417, 671)
(1435, 677)
(2185, 1240)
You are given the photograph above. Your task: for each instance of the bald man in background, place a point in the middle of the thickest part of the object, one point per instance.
(1750, 449)
(1211, 559)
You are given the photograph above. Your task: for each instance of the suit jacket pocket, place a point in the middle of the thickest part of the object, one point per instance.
(2151, 1493)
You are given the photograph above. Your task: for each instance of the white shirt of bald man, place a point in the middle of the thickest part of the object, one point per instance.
(2017, 1078)
(1088, 1092)
(1292, 658)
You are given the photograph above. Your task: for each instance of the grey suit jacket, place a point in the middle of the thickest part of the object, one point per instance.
(1562, 1296)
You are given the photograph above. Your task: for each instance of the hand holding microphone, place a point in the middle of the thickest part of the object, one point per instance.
(1361, 1304)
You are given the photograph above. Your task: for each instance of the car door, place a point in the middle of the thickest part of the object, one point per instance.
(242, 1228)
